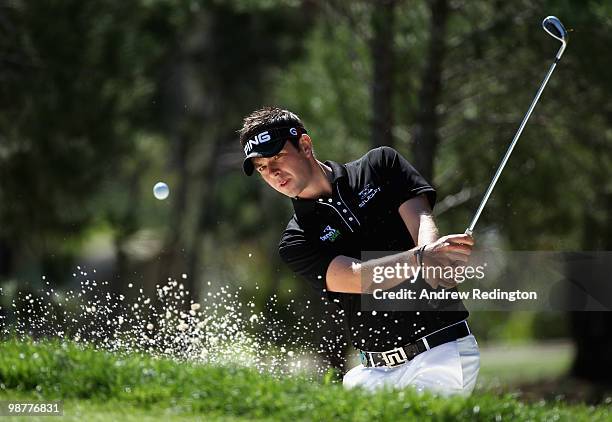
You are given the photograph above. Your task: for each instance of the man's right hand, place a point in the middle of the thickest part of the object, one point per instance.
(452, 250)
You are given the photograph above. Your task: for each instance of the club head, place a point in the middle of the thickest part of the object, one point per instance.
(555, 28)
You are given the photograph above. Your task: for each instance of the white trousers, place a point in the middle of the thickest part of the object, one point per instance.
(450, 368)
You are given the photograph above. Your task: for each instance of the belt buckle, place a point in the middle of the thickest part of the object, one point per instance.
(394, 357)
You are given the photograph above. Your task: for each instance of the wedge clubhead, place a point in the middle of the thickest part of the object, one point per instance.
(555, 29)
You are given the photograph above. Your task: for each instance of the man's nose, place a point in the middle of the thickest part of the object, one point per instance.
(274, 170)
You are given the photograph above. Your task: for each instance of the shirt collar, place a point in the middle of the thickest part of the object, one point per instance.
(304, 207)
(338, 171)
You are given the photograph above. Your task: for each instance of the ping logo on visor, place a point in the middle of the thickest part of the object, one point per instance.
(260, 138)
(269, 136)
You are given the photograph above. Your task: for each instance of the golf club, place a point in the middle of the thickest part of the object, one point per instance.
(555, 28)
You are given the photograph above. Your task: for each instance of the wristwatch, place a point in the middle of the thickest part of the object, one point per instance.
(419, 255)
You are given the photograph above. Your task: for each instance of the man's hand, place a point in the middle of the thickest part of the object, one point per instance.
(449, 251)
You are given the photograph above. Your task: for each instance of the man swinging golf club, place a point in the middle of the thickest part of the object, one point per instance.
(378, 202)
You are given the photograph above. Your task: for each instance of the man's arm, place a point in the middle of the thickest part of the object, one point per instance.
(416, 214)
(344, 274)
(418, 218)
(350, 275)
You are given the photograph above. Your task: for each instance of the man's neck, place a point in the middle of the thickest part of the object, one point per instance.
(320, 184)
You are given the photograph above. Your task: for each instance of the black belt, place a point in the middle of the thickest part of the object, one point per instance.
(400, 355)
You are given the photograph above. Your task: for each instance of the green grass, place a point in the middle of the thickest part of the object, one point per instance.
(97, 385)
(508, 364)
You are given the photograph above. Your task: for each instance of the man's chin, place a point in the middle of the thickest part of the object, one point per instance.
(291, 193)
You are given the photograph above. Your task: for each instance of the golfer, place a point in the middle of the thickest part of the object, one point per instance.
(378, 202)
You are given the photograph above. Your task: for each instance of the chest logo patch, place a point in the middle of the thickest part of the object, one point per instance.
(367, 193)
(329, 234)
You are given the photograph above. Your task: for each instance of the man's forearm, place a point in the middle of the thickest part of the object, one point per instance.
(428, 232)
(404, 265)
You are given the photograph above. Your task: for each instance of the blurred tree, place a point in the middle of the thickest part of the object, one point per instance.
(216, 77)
(426, 126)
(383, 60)
(74, 94)
(589, 160)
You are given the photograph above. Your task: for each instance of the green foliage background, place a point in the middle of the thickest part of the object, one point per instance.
(99, 100)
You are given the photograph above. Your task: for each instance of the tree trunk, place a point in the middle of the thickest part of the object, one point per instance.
(592, 331)
(382, 51)
(593, 340)
(207, 209)
(174, 100)
(125, 225)
(426, 129)
(6, 258)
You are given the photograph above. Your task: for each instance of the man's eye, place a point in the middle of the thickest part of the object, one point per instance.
(261, 168)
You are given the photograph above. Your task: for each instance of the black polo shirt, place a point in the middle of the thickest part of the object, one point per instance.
(362, 215)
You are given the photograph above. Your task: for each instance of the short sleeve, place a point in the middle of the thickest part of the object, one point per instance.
(304, 257)
(403, 179)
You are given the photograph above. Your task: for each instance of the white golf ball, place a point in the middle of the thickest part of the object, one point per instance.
(161, 190)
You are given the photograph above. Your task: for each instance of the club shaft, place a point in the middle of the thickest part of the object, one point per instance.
(470, 229)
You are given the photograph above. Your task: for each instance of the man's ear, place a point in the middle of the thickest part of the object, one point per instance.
(306, 145)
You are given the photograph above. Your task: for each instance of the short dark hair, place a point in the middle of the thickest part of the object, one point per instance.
(264, 117)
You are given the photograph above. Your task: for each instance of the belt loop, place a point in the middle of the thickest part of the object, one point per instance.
(425, 343)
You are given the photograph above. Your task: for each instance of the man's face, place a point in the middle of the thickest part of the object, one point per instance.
(289, 171)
